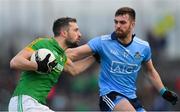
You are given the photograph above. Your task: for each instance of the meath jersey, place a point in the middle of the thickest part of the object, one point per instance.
(119, 63)
(38, 85)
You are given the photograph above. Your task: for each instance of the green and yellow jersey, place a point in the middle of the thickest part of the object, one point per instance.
(38, 85)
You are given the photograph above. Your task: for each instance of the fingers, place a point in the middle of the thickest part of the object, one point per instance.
(175, 98)
(47, 57)
(53, 64)
(170, 96)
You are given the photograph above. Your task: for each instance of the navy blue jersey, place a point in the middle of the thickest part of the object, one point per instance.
(119, 64)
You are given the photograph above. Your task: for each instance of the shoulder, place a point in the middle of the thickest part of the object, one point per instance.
(41, 39)
(103, 37)
(141, 41)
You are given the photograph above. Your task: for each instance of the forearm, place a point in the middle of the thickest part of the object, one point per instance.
(75, 55)
(83, 65)
(77, 67)
(156, 80)
(79, 52)
(23, 64)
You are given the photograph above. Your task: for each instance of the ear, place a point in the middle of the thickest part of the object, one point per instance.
(64, 33)
(133, 24)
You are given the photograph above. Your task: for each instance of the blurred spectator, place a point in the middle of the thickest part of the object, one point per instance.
(158, 34)
(157, 43)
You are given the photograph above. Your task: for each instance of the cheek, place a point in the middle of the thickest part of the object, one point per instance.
(72, 35)
(125, 27)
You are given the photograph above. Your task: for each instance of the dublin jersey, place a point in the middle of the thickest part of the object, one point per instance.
(119, 64)
(38, 85)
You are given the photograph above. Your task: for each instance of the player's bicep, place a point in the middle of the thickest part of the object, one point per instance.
(25, 53)
(84, 50)
(79, 52)
(21, 60)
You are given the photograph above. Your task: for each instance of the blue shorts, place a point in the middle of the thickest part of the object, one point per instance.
(107, 102)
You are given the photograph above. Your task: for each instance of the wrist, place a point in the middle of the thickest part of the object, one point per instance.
(162, 90)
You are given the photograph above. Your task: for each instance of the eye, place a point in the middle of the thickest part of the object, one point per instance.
(76, 29)
(115, 21)
(123, 22)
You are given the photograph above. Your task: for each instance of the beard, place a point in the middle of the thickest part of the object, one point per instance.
(122, 34)
(71, 44)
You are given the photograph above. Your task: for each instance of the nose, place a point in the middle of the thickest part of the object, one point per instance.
(118, 25)
(80, 34)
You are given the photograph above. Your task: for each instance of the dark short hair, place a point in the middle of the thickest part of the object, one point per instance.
(126, 10)
(61, 23)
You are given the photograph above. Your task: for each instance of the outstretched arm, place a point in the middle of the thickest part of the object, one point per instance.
(157, 83)
(77, 67)
(21, 61)
(79, 52)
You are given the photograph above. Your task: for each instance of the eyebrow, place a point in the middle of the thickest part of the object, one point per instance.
(116, 21)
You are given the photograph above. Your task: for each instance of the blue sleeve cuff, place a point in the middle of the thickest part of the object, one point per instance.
(162, 90)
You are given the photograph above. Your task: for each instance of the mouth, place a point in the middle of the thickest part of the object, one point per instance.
(78, 40)
(119, 31)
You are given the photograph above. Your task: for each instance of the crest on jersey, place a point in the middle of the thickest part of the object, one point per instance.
(137, 55)
(61, 58)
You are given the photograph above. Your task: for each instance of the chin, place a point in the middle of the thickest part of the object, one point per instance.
(73, 45)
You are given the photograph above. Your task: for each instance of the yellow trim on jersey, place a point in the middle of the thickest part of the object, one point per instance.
(33, 42)
(29, 49)
(68, 61)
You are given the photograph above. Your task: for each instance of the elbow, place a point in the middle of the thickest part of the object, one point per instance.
(70, 71)
(13, 64)
(74, 73)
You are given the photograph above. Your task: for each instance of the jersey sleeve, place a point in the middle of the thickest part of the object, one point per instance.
(148, 53)
(34, 44)
(95, 44)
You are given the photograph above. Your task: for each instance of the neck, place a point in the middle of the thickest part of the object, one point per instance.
(61, 42)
